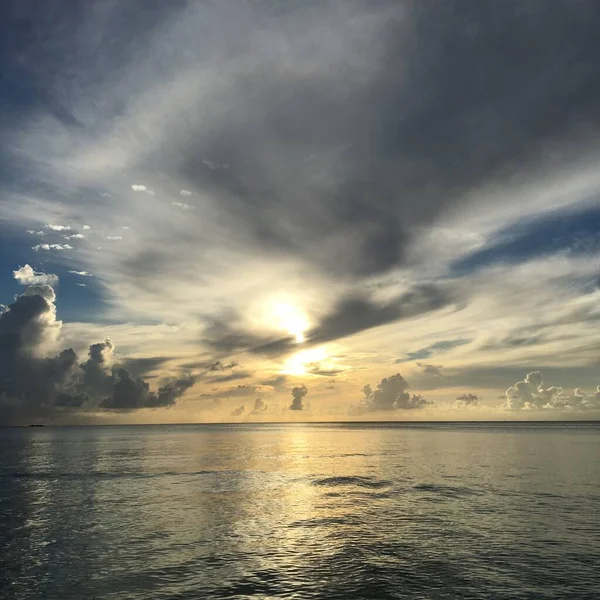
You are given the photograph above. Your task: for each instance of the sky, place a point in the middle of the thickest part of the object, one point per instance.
(299, 211)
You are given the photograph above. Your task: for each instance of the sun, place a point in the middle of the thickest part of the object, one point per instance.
(289, 318)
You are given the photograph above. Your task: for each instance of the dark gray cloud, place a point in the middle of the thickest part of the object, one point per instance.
(168, 393)
(358, 313)
(392, 394)
(468, 399)
(97, 368)
(321, 139)
(32, 384)
(298, 395)
(131, 393)
(128, 392)
(143, 365)
(227, 336)
(209, 367)
(220, 366)
(479, 90)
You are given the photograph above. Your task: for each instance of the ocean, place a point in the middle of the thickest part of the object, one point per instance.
(348, 511)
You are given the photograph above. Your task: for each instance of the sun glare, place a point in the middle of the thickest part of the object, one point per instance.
(290, 319)
(301, 362)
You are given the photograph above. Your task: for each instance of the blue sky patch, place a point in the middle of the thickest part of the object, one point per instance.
(560, 231)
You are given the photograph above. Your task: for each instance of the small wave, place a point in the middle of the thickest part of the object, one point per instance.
(324, 522)
(355, 480)
(448, 491)
(99, 475)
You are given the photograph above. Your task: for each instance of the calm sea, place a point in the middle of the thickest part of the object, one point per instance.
(301, 511)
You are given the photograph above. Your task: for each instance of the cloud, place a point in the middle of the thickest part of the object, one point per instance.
(317, 369)
(81, 273)
(185, 193)
(226, 336)
(128, 392)
(428, 369)
(259, 406)
(132, 393)
(182, 205)
(25, 275)
(86, 227)
(75, 236)
(330, 186)
(240, 390)
(238, 411)
(356, 313)
(231, 377)
(298, 395)
(58, 227)
(530, 394)
(277, 382)
(96, 370)
(219, 366)
(48, 247)
(140, 366)
(392, 394)
(114, 237)
(432, 350)
(467, 399)
(351, 314)
(33, 382)
(136, 187)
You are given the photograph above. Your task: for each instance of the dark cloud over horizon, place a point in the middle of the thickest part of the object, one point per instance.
(391, 394)
(31, 383)
(298, 395)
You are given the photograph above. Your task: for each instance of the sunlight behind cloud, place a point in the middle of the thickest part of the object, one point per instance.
(289, 318)
(301, 362)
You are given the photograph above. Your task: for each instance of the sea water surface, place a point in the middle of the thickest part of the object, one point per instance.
(494, 511)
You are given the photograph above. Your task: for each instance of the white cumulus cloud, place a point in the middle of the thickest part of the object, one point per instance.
(25, 275)
(531, 394)
(57, 247)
